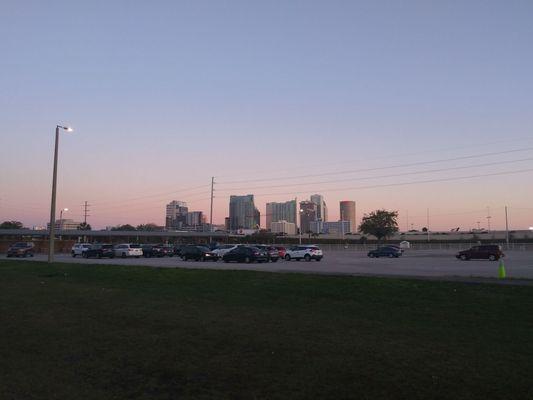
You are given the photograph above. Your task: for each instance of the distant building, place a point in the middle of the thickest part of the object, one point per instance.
(322, 209)
(242, 213)
(347, 213)
(308, 213)
(330, 227)
(280, 212)
(195, 218)
(288, 228)
(176, 214)
(64, 224)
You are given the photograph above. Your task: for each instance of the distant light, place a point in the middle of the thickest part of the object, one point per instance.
(69, 129)
(65, 209)
(531, 228)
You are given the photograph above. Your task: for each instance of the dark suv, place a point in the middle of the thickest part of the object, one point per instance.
(272, 252)
(157, 250)
(99, 251)
(246, 254)
(198, 253)
(20, 249)
(482, 252)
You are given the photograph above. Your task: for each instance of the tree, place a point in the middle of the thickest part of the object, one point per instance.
(126, 227)
(149, 227)
(84, 226)
(380, 223)
(11, 225)
(424, 229)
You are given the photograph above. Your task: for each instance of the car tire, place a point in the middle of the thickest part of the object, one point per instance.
(274, 259)
(202, 259)
(464, 257)
(184, 258)
(287, 257)
(318, 259)
(123, 255)
(247, 260)
(84, 255)
(307, 257)
(492, 257)
(73, 255)
(226, 261)
(391, 255)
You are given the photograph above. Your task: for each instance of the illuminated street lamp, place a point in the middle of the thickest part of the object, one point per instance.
(61, 218)
(53, 205)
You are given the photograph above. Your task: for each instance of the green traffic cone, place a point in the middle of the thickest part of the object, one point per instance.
(501, 269)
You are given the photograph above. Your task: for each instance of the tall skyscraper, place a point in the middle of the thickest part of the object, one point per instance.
(276, 212)
(322, 209)
(308, 213)
(176, 214)
(347, 213)
(242, 213)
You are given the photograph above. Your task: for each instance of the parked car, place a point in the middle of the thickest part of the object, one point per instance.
(385, 251)
(481, 252)
(79, 248)
(21, 249)
(157, 250)
(99, 251)
(397, 247)
(246, 254)
(178, 248)
(281, 251)
(128, 250)
(167, 250)
(198, 253)
(272, 252)
(224, 248)
(306, 252)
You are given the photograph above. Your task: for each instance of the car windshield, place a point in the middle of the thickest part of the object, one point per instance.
(20, 245)
(135, 246)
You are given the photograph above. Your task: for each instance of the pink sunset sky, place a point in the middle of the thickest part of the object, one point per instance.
(403, 107)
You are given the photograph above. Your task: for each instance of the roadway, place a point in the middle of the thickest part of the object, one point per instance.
(419, 263)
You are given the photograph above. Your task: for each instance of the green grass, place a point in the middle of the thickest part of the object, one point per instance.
(71, 331)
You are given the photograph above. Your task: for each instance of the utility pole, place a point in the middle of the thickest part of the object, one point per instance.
(85, 212)
(211, 212)
(488, 218)
(428, 223)
(406, 220)
(506, 228)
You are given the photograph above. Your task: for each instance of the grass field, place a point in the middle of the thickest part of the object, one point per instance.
(110, 332)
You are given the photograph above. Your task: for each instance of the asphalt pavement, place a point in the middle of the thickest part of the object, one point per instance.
(420, 263)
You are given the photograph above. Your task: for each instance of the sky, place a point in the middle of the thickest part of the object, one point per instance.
(402, 105)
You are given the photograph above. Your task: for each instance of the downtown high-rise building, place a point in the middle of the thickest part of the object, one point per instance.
(308, 213)
(347, 213)
(242, 213)
(176, 214)
(276, 212)
(321, 208)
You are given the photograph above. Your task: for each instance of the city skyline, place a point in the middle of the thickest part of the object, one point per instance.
(426, 106)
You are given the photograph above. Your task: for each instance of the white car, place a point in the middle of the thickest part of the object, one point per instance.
(128, 250)
(79, 248)
(306, 252)
(223, 249)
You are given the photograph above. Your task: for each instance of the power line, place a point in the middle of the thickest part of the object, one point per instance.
(381, 168)
(383, 176)
(397, 184)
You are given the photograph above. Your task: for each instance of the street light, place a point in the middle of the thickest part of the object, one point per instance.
(61, 217)
(300, 230)
(53, 205)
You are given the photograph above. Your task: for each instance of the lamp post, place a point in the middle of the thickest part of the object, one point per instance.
(301, 211)
(61, 217)
(53, 205)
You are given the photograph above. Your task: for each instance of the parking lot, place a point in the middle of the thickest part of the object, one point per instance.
(414, 263)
